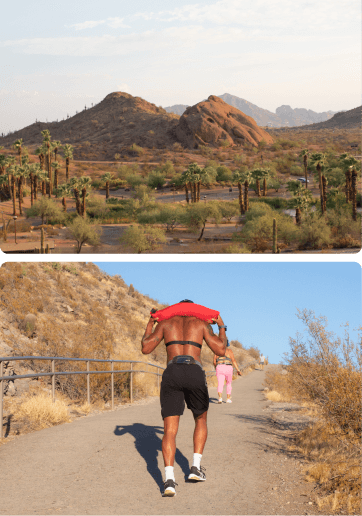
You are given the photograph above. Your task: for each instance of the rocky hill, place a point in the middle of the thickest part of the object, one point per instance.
(121, 120)
(214, 120)
(74, 310)
(285, 116)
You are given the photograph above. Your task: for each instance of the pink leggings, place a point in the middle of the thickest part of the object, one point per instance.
(224, 372)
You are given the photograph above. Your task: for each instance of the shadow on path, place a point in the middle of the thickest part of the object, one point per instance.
(148, 444)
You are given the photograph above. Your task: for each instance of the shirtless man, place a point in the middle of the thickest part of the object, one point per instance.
(183, 380)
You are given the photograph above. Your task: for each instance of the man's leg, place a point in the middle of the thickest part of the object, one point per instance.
(200, 433)
(200, 436)
(169, 439)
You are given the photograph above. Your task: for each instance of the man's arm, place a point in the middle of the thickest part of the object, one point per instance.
(217, 344)
(151, 340)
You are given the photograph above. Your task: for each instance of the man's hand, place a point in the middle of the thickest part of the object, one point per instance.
(219, 321)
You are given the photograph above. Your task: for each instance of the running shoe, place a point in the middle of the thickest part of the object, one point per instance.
(197, 474)
(169, 488)
(220, 400)
(228, 400)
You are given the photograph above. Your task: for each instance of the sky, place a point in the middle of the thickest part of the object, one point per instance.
(57, 57)
(258, 302)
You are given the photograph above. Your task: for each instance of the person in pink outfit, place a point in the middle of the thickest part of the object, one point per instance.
(224, 371)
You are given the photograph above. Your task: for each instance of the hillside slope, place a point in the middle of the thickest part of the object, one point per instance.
(74, 310)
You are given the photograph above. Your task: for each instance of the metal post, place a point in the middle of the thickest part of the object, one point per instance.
(88, 384)
(53, 380)
(112, 379)
(131, 384)
(1, 399)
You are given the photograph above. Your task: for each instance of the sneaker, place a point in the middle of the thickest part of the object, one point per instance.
(220, 400)
(197, 474)
(228, 400)
(169, 488)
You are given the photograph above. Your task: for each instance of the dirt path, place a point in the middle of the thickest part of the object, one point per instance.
(111, 463)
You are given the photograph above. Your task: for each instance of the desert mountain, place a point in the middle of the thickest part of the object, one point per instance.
(285, 116)
(344, 120)
(178, 109)
(120, 120)
(75, 310)
(214, 120)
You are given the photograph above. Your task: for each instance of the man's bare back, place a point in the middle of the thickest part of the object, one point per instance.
(183, 329)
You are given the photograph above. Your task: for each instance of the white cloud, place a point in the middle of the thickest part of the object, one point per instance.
(116, 23)
(87, 25)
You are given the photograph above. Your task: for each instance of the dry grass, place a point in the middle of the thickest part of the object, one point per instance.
(274, 396)
(40, 412)
(324, 375)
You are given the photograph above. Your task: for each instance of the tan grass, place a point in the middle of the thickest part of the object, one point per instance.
(41, 412)
(274, 396)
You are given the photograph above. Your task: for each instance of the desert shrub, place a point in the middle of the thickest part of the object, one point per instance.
(236, 249)
(96, 206)
(223, 174)
(46, 209)
(277, 203)
(143, 238)
(344, 230)
(254, 352)
(135, 150)
(314, 232)
(126, 170)
(84, 232)
(166, 215)
(296, 170)
(228, 209)
(134, 180)
(156, 179)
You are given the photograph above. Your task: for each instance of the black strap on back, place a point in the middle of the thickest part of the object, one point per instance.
(184, 342)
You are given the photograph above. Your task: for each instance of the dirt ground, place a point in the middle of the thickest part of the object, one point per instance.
(111, 463)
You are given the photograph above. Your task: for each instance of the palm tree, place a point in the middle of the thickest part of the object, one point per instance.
(57, 145)
(304, 154)
(56, 167)
(64, 191)
(348, 163)
(84, 184)
(107, 177)
(5, 183)
(12, 181)
(238, 177)
(48, 144)
(354, 194)
(18, 146)
(68, 155)
(319, 161)
(301, 198)
(193, 174)
(258, 174)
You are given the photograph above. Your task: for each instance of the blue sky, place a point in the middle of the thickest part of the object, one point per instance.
(258, 301)
(58, 56)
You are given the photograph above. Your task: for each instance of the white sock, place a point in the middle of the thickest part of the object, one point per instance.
(169, 473)
(197, 460)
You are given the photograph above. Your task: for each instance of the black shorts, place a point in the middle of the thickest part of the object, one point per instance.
(180, 383)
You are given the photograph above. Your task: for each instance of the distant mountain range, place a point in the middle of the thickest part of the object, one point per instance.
(285, 116)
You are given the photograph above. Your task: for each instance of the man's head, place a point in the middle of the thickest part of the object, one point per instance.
(186, 301)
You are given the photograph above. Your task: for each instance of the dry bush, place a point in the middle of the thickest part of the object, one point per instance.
(325, 373)
(39, 412)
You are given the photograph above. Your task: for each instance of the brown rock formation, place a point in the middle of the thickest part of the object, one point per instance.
(214, 120)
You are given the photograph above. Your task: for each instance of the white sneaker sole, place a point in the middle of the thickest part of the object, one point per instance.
(169, 492)
(195, 477)
(220, 401)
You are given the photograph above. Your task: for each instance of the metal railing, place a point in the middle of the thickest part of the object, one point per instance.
(88, 372)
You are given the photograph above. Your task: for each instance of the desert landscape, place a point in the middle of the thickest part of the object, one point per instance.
(126, 176)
